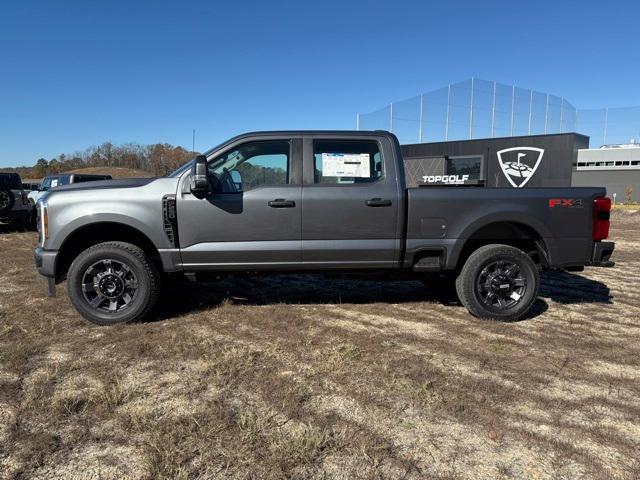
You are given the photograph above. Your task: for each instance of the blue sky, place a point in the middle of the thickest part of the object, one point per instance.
(77, 73)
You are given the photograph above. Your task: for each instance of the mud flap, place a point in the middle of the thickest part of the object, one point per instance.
(51, 287)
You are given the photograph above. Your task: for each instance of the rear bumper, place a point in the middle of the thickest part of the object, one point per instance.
(601, 254)
(45, 261)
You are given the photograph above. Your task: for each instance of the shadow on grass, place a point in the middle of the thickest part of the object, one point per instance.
(182, 297)
(568, 288)
(13, 228)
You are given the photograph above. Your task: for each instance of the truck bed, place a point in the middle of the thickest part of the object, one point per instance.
(447, 217)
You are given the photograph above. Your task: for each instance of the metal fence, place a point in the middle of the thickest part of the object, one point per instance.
(483, 109)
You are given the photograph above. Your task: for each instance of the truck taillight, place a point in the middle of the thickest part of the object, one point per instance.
(601, 214)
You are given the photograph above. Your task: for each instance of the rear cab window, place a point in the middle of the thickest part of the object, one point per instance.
(56, 181)
(347, 162)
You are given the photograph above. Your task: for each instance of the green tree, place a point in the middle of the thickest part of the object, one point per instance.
(41, 167)
(54, 166)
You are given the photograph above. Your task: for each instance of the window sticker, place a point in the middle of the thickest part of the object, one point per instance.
(346, 165)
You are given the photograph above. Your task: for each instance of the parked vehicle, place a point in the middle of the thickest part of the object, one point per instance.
(311, 202)
(14, 204)
(30, 186)
(53, 181)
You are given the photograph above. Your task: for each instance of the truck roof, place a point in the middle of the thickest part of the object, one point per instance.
(268, 133)
(312, 132)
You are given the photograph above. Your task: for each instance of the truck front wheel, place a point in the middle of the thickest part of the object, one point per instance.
(498, 282)
(113, 282)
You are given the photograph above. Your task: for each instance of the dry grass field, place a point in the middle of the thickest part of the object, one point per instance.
(302, 377)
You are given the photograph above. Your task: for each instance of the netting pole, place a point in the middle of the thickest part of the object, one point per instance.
(420, 128)
(446, 125)
(493, 112)
(357, 121)
(513, 108)
(606, 121)
(546, 115)
(391, 117)
(471, 112)
(530, 109)
(561, 112)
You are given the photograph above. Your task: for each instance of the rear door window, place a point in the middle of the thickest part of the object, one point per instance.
(347, 162)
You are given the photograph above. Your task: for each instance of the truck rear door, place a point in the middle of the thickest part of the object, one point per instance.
(352, 210)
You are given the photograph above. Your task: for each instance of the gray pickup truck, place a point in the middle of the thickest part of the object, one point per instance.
(311, 201)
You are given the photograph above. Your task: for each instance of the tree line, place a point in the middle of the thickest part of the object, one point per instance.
(157, 159)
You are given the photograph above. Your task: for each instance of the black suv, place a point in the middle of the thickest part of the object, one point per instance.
(14, 204)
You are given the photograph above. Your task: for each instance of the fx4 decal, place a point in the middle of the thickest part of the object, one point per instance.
(566, 202)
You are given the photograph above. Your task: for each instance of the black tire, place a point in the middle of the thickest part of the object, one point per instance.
(140, 283)
(7, 199)
(498, 282)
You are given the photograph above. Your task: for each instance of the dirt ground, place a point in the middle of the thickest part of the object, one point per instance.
(303, 377)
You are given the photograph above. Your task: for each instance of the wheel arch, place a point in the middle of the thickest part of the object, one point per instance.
(92, 234)
(516, 233)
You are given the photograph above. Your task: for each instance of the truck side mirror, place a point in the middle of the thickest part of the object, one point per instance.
(199, 183)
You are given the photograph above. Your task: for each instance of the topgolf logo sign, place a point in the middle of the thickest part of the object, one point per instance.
(452, 179)
(519, 164)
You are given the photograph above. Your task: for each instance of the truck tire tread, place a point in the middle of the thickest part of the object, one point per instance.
(125, 248)
(465, 283)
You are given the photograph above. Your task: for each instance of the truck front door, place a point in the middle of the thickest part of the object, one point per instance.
(351, 203)
(252, 220)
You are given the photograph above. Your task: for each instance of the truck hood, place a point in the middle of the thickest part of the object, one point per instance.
(105, 184)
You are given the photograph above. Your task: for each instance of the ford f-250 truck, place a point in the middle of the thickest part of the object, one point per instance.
(311, 201)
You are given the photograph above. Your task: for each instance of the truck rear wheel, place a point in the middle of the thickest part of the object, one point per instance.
(113, 282)
(498, 282)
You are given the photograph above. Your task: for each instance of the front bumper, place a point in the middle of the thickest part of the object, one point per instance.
(45, 261)
(601, 254)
